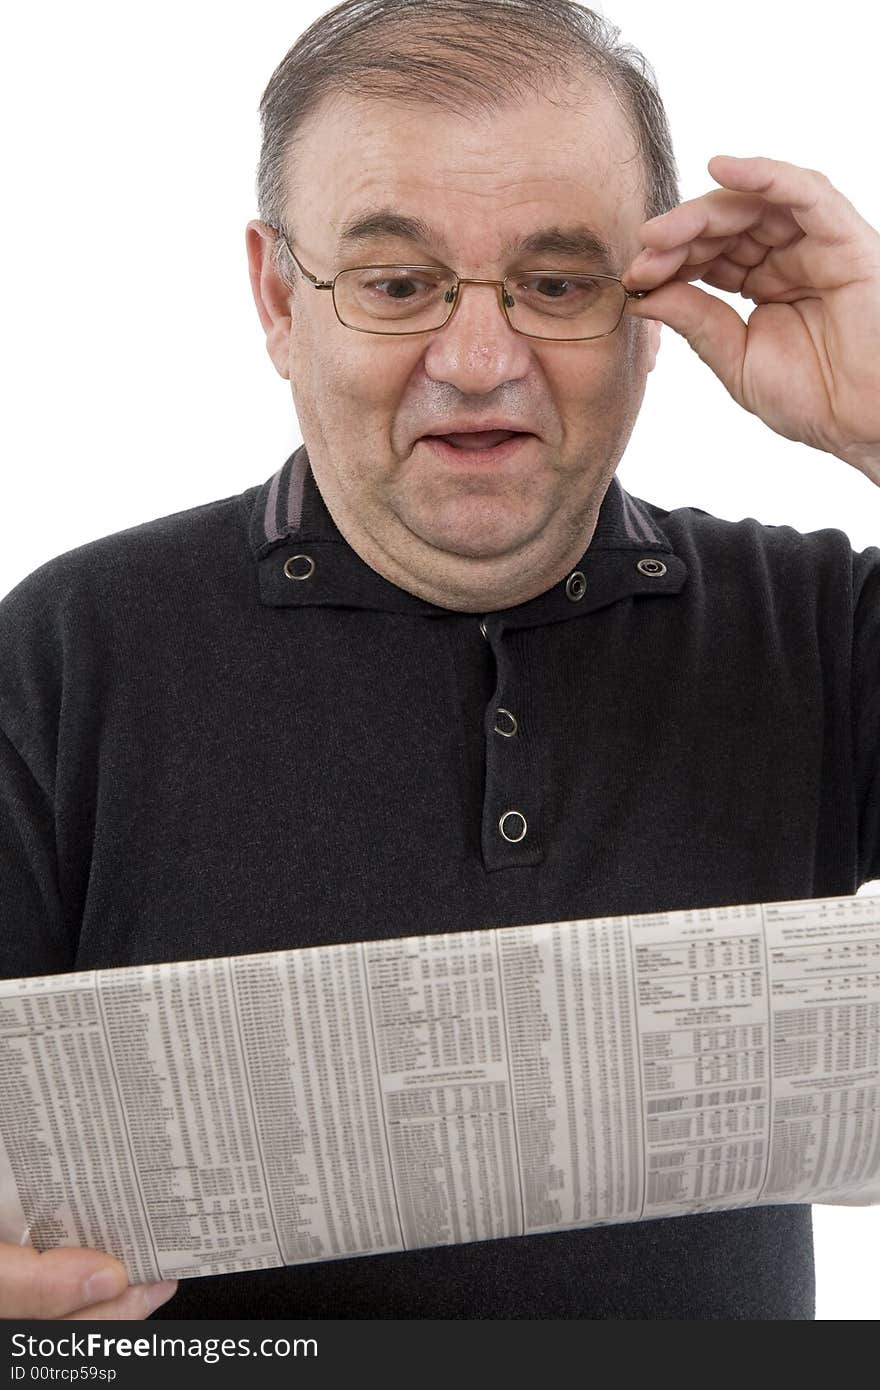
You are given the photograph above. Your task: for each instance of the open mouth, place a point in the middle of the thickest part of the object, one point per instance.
(491, 444)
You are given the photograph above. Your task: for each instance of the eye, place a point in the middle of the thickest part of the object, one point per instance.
(560, 287)
(399, 285)
(554, 289)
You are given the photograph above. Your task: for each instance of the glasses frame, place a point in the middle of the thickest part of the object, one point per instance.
(500, 285)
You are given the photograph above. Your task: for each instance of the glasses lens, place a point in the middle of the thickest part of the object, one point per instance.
(394, 299)
(415, 299)
(551, 304)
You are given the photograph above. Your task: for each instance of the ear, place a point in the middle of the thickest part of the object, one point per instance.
(272, 294)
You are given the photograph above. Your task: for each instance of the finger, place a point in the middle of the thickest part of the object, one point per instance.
(730, 258)
(743, 249)
(722, 274)
(704, 249)
(49, 1285)
(650, 269)
(137, 1302)
(713, 328)
(816, 205)
(722, 213)
(746, 251)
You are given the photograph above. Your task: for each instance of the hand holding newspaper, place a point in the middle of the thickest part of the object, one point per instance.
(206, 1116)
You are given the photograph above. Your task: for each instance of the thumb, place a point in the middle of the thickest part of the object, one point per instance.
(714, 330)
(52, 1284)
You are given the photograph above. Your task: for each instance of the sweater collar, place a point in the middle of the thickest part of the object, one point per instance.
(304, 561)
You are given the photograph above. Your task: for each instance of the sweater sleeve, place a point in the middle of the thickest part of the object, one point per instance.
(38, 934)
(866, 709)
(34, 939)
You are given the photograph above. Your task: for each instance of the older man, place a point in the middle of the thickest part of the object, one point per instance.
(440, 672)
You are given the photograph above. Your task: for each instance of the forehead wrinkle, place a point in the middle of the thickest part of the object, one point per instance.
(387, 222)
(572, 240)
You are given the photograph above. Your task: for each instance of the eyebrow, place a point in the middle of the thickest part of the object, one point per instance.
(576, 239)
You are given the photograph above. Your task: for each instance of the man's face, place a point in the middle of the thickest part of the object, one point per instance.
(468, 533)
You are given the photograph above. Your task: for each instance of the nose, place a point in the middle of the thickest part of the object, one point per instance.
(476, 349)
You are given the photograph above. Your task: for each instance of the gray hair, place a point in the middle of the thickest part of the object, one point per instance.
(466, 56)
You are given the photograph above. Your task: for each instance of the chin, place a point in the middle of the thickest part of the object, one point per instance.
(482, 533)
(472, 544)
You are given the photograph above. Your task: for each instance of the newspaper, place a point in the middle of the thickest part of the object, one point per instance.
(206, 1116)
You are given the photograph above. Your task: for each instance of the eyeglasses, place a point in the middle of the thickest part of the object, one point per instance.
(422, 298)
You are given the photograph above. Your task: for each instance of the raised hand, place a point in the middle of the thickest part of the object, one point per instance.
(808, 360)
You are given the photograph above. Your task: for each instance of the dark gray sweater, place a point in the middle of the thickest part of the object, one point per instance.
(200, 756)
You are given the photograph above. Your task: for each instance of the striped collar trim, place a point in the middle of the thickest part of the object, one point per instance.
(289, 506)
(295, 539)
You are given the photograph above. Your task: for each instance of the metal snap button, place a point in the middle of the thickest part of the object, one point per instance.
(298, 560)
(653, 568)
(483, 628)
(576, 586)
(508, 725)
(518, 820)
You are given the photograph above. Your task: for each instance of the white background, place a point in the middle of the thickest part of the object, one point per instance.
(135, 377)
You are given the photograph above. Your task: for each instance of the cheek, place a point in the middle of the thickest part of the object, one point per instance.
(593, 386)
(624, 369)
(635, 345)
(346, 381)
(601, 394)
(347, 399)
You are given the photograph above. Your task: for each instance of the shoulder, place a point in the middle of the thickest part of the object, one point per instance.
(750, 553)
(135, 563)
(114, 600)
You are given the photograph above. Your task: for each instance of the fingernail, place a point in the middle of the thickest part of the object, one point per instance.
(103, 1284)
(157, 1294)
